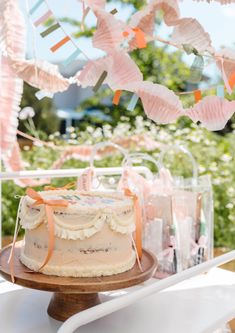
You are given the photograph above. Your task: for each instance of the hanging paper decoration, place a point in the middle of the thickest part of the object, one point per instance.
(196, 69)
(160, 104)
(117, 97)
(60, 43)
(197, 95)
(50, 30)
(35, 7)
(71, 58)
(220, 91)
(213, 112)
(108, 35)
(189, 31)
(12, 36)
(40, 74)
(132, 104)
(227, 67)
(100, 81)
(43, 18)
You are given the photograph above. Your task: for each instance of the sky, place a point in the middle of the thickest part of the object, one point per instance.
(217, 20)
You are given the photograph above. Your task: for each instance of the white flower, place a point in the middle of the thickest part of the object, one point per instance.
(226, 158)
(229, 205)
(27, 112)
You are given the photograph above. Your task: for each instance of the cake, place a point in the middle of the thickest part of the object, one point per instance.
(92, 235)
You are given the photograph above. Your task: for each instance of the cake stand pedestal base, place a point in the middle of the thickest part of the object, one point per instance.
(62, 306)
(70, 294)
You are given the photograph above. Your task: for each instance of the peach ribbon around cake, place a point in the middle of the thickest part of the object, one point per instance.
(93, 234)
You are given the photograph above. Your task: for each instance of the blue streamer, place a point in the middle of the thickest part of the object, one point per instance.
(71, 58)
(133, 102)
(35, 7)
(220, 91)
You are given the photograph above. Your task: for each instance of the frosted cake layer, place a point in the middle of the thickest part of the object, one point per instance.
(93, 234)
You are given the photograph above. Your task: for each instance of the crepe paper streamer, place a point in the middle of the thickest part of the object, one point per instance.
(41, 94)
(113, 11)
(35, 7)
(117, 97)
(134, 99)
(60, 43)
(197, 95)
(71, 58)
(232, 80)
(140, 38)
(100, 81)
(50, 30)
(220, 91)
(196, 69)
(43, 18)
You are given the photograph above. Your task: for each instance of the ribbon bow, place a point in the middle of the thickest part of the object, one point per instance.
(49, 204)
(138, 220)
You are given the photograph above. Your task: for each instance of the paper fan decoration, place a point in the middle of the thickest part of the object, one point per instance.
(190, 32)
(213, 112)
(40, 74)
(160, 104)
(109, 33)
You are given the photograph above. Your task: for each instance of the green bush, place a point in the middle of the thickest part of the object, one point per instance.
(214, 154)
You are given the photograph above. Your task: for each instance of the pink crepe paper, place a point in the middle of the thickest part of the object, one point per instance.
(40, 74)
(160, 104)
(189, 31)
(213, 112)
(13, 162)
(109, 33)
(121, 69)
(12, 38)
(95, 3)
(227, 67)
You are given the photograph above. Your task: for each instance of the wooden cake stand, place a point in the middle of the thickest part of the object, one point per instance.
(71, 295)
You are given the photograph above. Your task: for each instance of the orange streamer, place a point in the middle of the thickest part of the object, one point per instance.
(140, 38)
(232, 81)
(138, 221)
(60, 43)
(197, 95)
(116, 97)
(49, 204)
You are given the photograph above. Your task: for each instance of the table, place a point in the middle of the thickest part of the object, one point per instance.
(198, 305)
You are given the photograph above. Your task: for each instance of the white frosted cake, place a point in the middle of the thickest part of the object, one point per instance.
(93, 234)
